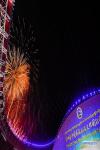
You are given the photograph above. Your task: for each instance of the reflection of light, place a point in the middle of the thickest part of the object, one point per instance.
(93, 145)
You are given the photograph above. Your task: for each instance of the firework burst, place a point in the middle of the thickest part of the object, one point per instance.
(23, 37)
(17, 74)
(16, 89)
(17, 86)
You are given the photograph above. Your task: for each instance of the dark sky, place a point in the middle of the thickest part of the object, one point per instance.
(68, 40)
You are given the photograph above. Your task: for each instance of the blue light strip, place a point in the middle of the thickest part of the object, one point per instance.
(39, 145)
(78, 102)
(29, 143)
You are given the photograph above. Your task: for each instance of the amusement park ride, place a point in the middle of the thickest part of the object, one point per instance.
(5, 13)
(6, 7)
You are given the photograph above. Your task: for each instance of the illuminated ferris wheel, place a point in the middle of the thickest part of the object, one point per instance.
(6, 7)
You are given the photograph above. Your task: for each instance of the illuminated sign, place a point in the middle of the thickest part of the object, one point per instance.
(81, 128)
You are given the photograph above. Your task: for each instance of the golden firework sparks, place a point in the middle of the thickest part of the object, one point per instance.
(17, 74)
(16, 86)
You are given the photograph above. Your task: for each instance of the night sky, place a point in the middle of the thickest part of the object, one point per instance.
(67, 37)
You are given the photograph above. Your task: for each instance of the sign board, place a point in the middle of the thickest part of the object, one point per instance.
(81, 128)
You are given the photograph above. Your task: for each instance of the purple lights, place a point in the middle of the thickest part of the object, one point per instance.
(28, 143)
(83, 98)
(80, 124)
(39, 145)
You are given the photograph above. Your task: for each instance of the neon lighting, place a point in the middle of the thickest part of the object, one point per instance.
(80, 128)
(29, 143)
(82, 99)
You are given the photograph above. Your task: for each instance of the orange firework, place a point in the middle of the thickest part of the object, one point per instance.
(17, 74)
(16, 87)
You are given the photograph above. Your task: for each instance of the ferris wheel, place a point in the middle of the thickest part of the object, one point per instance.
(6, 7)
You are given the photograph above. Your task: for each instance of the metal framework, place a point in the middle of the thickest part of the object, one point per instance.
(6, 7)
